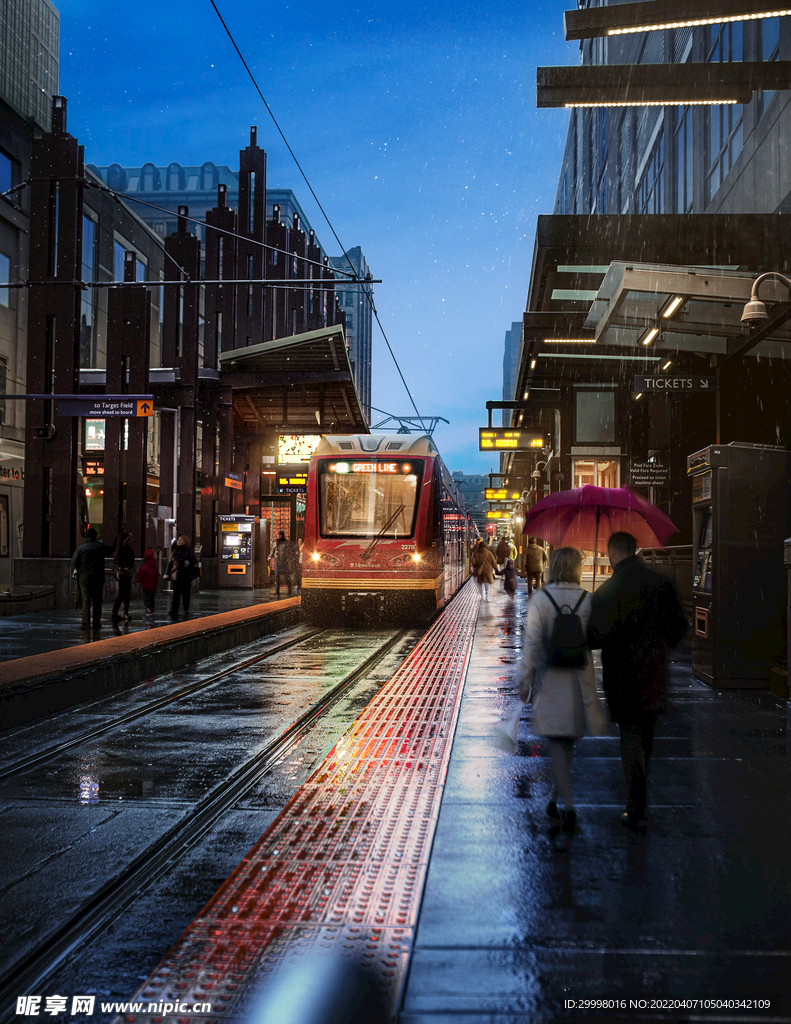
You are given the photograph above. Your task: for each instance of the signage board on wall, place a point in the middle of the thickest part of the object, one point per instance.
(649, 474)
(675, 385)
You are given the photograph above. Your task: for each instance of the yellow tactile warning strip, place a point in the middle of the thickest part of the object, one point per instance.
(69, 659)
(343, 865)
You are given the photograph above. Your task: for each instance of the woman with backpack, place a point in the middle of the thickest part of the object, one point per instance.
(557, 673)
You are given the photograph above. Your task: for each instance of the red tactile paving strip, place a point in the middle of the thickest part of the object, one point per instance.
(70, 659)
(343, 864)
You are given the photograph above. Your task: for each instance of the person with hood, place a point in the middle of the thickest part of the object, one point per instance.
(148, 579)
(637, 616)
(502, 551)
(87, 564)
(483, 566)
(124, 559)
(282, 554)
(182, 570)
(565, 703)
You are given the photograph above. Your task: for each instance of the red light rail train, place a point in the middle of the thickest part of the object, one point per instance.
(387, 533)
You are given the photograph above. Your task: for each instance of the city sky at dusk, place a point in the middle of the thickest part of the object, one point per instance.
(415, 124)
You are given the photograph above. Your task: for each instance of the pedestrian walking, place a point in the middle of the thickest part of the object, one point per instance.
(282, 555)
(148, 578)
(510, 577)
(87, 564)
(483, 566)
(560, 680)
(124, 559)
(503, 551)
(300, 546)
(181, 571)
(637, 616)
(535, 558)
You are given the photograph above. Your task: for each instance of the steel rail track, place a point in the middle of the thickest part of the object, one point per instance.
(31, 971)
(85, 737)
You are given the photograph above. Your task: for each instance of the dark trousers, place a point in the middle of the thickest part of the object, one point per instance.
(124, 594)
(533, 580)
(282, 572)
(637, 742)
(181, 592)
(91, 594)
(148, 599)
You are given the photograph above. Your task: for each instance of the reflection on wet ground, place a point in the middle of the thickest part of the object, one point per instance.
(516, 918)
(79, 818)
(39, 632)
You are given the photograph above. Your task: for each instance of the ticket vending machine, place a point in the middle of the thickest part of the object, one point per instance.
(741, 511)
(236, 542)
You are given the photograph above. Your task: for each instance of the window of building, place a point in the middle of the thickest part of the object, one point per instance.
(650, 191)
(149, 178)
(595, 416)
(7, 174)
(349, 298)
(683, 138)
(118, 261)
(596, 472)
(724, 135)
(174, 177)
(769, 34)
(5, 275)
(88, 297)
(349, 322)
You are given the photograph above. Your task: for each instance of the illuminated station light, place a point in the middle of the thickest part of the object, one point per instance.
(658, 15)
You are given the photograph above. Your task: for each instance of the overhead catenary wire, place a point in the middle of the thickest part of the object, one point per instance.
(367, 294)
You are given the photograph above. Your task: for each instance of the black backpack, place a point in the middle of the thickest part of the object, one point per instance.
(567, 645)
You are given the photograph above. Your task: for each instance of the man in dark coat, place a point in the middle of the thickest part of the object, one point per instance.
(636, 617)
(87, 563)
(283, 554)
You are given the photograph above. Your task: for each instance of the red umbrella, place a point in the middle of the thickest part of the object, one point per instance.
(587, 517)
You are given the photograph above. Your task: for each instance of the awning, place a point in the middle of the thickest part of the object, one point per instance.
(304, 382)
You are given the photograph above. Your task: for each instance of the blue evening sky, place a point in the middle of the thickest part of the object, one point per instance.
(415, 124)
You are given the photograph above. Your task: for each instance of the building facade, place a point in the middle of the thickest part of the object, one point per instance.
(473, 489)
(28, 80)
(682, 159)
(513, 346)
(167, 188)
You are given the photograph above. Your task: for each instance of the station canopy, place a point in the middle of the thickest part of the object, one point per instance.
(650, 308)
(302, 383)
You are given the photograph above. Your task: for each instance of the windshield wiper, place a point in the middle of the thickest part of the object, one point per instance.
(369, 550)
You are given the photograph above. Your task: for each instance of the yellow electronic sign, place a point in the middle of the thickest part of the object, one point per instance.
(501, 494)
(505, 439)
(499, 513)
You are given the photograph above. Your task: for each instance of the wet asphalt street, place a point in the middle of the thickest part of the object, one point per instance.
(82, 816)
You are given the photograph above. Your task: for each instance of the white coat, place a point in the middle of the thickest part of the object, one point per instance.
(565, 702)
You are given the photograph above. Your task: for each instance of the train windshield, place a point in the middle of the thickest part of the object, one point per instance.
(368, 499)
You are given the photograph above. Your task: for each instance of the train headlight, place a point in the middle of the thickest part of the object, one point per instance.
(315, 556)
(416, 557)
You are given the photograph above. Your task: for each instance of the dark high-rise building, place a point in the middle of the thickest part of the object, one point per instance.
(513, 347)
(356, 302)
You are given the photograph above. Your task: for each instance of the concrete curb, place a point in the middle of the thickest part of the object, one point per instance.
(40, 685)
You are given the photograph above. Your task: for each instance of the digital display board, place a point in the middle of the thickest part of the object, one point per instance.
(296, 447)
(507, 439)
(370, 467)
(500, 513)
(292, 479)
(501, 494)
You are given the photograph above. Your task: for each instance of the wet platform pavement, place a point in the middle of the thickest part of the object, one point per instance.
(516, 919)
(46, 631)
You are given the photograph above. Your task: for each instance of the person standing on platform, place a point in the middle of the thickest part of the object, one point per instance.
(148, 578)
(124, 567)
(484, 567)
(637, 616)
(565, 704)
(300, 546)
(87, 564)
(282, 554)
(182, 570)
(510, 577)
(535, 557)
